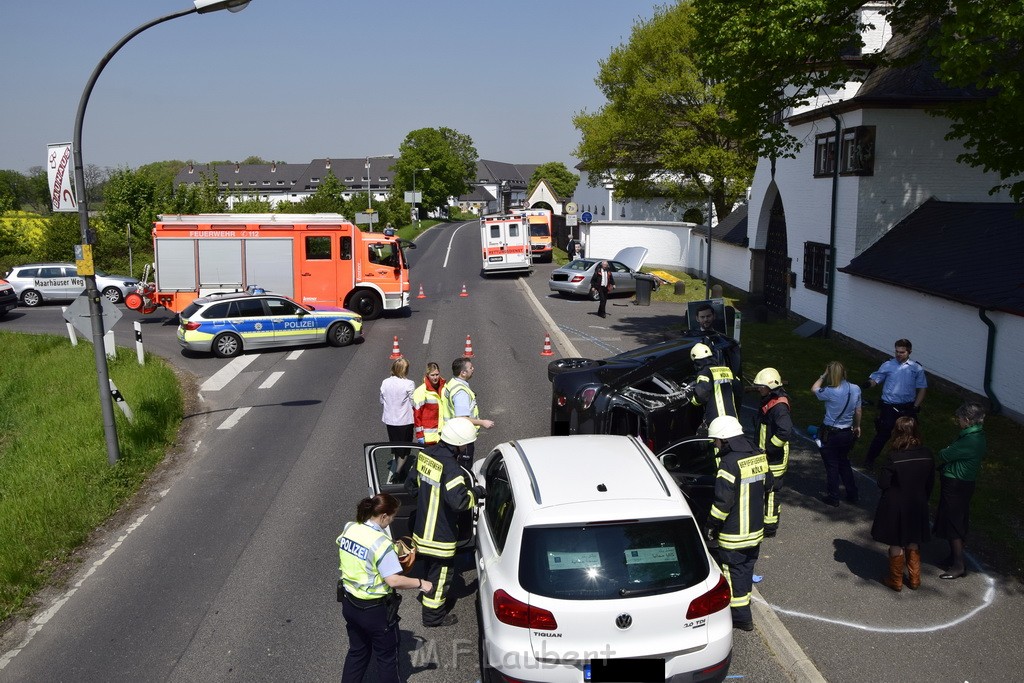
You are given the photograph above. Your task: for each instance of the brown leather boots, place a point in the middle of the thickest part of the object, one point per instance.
(894, 579)
(911, 558)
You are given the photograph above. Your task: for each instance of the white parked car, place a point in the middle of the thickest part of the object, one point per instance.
(36, 283)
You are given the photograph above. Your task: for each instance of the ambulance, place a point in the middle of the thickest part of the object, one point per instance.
(505, 243)
(539, 221)
(320, 260)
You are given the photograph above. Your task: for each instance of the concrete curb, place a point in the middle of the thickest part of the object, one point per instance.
(788, 652)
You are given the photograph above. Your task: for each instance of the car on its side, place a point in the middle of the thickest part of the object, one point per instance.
(8, 299)
(573, 279)
(36, 283)
(227, 324)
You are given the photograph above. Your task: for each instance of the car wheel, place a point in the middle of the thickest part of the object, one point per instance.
(557, 367)
(340, 334)
(227, 345)
(31, 298)
(366, 304)
(113, 295)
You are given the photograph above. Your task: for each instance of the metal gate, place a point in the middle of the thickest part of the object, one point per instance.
(777, 262)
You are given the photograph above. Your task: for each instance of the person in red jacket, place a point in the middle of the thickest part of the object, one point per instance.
(425, 401)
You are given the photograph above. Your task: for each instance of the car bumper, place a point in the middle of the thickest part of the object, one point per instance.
(578, 288)
(195, 341)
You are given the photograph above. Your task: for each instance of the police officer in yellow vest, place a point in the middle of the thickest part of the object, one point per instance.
(458, 400)
(773, 423)
(714, 387)
(442, 492)
(736, 522)
(370, 574)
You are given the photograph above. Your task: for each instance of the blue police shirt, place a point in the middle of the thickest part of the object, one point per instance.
(840, 404)
(900, 381)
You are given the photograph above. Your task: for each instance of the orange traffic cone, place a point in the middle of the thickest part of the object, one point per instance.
(468, 353)
(395, 352)
(464, 292)
(547, 346)
(421, 295)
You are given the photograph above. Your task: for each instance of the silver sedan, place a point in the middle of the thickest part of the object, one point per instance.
(573, 279)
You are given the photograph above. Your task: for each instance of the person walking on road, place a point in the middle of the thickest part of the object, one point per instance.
(426, 406)
(442, 492)
(901, 519)
(396, 398)
(603, 283)
(714, 386)
(370, 575)
(903, 388)
(959, 463)
(840, 428)
(458, 400)
(773, 423)
(736, 522)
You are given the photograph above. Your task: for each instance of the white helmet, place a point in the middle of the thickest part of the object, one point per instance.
(769, 377)
(700, 351)
(725, 427)
(458, 431)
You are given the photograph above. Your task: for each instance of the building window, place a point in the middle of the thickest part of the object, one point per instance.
(824, 154)
(856, 157)
(817, 266)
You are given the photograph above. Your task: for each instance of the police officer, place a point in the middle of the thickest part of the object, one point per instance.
(736, 522)
(773, 423)
(442, 492)
(370, 574)
(714, 386)
(903, 388)
(459, 400)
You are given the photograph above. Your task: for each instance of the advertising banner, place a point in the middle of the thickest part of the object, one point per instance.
(58, 170)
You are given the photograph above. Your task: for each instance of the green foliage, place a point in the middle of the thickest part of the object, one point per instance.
(61, 232)
(562, 181)
(202, 197)
(251, 206)
(451, 158)
(666, 130)
(328, 197)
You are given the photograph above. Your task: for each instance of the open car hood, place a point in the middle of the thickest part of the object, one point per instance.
(633, 257)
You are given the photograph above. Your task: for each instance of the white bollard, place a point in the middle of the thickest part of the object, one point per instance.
(120, 402)
(108, 344)
(71, 328)
(138, 342)
(737, 323)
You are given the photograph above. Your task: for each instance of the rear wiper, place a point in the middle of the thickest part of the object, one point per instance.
(628, 592)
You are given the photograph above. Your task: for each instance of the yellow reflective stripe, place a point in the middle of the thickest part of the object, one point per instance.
(727, 476)
(455, 481)
(718, 514)
(439, 596)
(740, 600)
(777, 442)
(720, 373)
(762, 436)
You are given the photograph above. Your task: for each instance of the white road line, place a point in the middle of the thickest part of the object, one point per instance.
(227, 373)
(272, 380)
(451, 239)
(234, 418)
(294, 354)
(426, 335)
(565, 347)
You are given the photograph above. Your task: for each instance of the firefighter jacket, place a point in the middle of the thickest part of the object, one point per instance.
(773, 424)
(713, 389)
(361, 547)
(442, 492)
(451, 388)
(740, 485)
(426, 412)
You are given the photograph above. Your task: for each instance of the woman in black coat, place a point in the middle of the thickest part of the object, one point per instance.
(901, 520)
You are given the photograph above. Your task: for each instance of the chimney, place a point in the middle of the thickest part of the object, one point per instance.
(273, 167)
(191, 169)
(237, 168)
(328, 163)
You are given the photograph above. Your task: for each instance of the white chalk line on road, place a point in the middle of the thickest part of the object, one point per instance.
(227, 373)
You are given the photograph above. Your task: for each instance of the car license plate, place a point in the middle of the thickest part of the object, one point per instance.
(625, 671)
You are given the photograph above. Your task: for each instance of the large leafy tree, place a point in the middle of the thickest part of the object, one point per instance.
(561, 180)
(451, 158)
(666, 130)
(778, 54)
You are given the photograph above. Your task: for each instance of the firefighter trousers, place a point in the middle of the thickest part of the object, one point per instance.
(772, 507)
(439, 571)
(738, 567)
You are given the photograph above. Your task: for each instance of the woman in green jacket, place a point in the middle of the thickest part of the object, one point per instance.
(959, 464)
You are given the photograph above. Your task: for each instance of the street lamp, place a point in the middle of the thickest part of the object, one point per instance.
(95, 307)
(369, 197)
(415, 208)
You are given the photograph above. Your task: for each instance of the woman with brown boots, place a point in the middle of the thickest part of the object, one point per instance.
(901, 520)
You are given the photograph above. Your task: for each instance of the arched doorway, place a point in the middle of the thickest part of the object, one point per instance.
(777, 263)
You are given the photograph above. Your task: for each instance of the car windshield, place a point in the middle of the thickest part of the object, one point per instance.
(611, 561)
(539, 230)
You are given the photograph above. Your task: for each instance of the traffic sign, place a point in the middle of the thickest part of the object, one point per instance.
(78, 315)
(587, 217)
(571, 207)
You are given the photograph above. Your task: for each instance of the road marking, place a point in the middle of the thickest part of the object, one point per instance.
(451, 239)
(294, 355)
(234, 418)
(227, 373)
(426, 335)
(272, 380)
(565, 347)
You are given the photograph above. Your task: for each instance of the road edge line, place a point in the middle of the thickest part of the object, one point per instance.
(565, 347)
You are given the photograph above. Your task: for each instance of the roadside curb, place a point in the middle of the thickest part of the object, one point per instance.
(789, 653)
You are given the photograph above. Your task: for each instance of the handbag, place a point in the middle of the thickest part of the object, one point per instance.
(406, 552)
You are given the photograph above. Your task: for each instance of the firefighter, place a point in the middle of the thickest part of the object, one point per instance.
(714, 386)
(441, 490)
(774, 426)
(736, 523)
(426, 406)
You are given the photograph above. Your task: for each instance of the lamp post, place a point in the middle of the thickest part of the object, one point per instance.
(95, 307)
(415, 206)
(369, 196)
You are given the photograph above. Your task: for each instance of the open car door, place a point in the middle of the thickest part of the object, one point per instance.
(693, 466)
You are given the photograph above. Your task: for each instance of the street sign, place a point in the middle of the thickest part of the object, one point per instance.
(571, 207)
(587, 217)
(571, 220)
(413, 197)
(78, 315)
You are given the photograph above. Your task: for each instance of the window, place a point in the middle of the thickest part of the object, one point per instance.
(383, 254)
(856, 156)
(246, 308)
(318, 248)
(513, 230)
(824, 154)
(817, 266)
(500, 502)
(345, 248)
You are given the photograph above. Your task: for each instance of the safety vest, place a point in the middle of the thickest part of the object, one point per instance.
(719, 395)
(452, 387)
(426, 413)
(768, 434)
(739, 499)
(441, 493)
(360, 549)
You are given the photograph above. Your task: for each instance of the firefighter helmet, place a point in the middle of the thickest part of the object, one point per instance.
(769, 377)
(458, 431)
(700, 352)
(725, 427)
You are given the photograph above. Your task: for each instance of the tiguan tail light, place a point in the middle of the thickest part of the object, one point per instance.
(517, 613)
(714, 600)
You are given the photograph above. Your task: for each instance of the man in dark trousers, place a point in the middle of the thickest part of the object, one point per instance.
(773, 423)
(735, 524)
(442, 492)
(903, 389)
(603, 283)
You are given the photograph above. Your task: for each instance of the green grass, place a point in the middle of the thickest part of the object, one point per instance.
(55, 484)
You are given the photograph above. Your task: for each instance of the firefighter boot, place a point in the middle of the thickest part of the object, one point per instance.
(913, 568)
(894, 578)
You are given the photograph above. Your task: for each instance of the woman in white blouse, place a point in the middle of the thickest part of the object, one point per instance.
(396, 397)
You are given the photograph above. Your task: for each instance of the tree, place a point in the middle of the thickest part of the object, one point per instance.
(130, 200)
(559, 178)
(201, 197)
(767, 51)
(328, 197)
(61, 232)
(451, 158)
(666, 130)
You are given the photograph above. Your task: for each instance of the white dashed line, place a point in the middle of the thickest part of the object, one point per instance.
(426, 335)
(227, 373)
(272, 380)
(234, 418)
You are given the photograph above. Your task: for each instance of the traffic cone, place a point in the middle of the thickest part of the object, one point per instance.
(468, 353)
(421, 295)
(395, 352)
(464, 292)
(547, 346)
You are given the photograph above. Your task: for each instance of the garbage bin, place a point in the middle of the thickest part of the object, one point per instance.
(644, 287)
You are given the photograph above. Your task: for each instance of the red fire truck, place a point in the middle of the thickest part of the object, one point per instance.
(317, 259)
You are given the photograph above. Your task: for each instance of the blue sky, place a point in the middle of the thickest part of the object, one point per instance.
(293, 80)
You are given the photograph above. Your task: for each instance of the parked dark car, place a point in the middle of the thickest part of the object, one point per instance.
(8, 299)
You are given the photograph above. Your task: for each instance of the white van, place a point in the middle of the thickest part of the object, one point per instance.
(505, 244)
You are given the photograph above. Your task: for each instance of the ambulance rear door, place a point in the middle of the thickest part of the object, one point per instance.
(505, 243)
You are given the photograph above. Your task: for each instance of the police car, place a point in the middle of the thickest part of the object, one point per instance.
(8, 299)
(227, 324)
